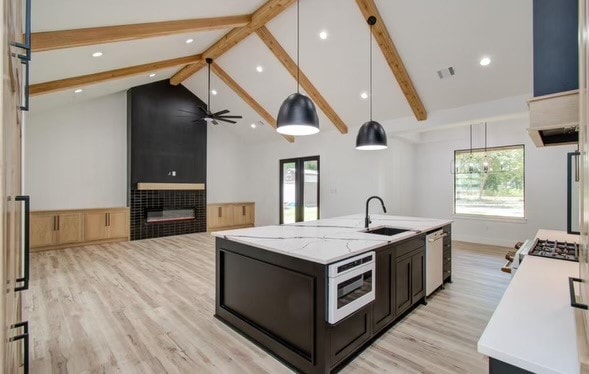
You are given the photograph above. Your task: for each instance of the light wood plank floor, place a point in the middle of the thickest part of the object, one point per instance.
(147, 307)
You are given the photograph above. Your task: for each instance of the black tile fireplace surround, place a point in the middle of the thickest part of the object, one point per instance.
(143, 201)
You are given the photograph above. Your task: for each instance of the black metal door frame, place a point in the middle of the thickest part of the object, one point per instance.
(299, 187)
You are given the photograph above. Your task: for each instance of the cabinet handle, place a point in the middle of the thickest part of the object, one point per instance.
(108, 219)
(26, 58)
(26, 245)
(220, 212)
(58, 223)
(574, 302)
(25, 338)
(243, 210)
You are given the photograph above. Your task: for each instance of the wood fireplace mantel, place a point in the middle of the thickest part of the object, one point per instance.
(170, 186)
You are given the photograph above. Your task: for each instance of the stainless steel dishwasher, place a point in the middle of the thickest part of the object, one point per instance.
(434, 256)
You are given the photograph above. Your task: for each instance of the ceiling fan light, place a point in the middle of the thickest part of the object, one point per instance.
(297, 116)
(371, 137)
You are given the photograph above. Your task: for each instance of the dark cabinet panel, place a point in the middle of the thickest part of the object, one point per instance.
(245, 280)
(402, 285)
(384, 304)
(556, 51)
(417, 276)
(349, 334)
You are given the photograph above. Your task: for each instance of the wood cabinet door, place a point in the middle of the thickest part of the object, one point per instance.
(69, 228)
(402, 285)
(42, 230)
(417, 276)
(95, 226)
(383, 306)
(242, 215)
(220, 216)
(118, 224)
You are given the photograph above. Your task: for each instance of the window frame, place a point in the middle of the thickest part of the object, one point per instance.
(484, 216)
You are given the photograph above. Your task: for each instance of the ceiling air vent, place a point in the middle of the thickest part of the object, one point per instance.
(446, 72)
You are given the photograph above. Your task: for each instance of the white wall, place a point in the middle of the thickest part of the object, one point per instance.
(545, 179)
(75, 156)
(348, 176)
(227, 167)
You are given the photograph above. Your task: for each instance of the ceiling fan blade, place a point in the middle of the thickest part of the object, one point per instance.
(226, 120)
(188, 111)
(229, 117)
(215, 122)
(222, 112)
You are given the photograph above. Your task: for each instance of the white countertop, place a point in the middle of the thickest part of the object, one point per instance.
(328, 240)
(533, 326)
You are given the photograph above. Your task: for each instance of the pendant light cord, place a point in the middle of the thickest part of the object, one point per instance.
(370, 83)
(209, 89)
(298, 41)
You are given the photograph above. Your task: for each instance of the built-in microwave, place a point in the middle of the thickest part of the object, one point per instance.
(351, 286)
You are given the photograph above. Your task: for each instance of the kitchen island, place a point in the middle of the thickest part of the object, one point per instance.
(276, 284)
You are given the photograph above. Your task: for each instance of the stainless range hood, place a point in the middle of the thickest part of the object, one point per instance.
(554, 119)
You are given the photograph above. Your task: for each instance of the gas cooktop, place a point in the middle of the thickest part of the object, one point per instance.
(555, 249)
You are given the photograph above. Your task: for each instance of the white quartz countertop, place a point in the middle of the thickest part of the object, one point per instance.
(332, 239)
(533, 326)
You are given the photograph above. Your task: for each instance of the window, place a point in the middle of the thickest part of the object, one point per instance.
(490, 182)
(299, 189)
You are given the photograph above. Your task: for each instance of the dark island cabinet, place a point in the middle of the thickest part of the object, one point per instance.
(280, 302)
(447, 264)
(383, 307)
(400, 280)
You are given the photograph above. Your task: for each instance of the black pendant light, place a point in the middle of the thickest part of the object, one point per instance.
(371, 136)
(297, 115)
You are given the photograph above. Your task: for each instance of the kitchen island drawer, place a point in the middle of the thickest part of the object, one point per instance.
(409, 246)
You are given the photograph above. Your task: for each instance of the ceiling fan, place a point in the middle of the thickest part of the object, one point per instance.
(209, 115)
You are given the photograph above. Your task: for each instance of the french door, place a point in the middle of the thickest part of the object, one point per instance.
(299, 189)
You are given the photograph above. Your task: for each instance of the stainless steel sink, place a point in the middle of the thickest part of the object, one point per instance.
(387, 231)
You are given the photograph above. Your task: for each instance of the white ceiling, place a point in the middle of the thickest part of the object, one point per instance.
(429, 34)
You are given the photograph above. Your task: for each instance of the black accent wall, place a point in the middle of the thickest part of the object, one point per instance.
(162, 137)
(556, 51)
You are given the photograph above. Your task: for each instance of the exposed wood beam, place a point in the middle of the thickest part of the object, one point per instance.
(292, 68)
(247, 98)
(260, 17)
(84, 80)
(385, 42)
(46, 41)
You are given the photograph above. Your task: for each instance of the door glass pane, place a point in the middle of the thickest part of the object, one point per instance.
(311, 191)
(288, 192)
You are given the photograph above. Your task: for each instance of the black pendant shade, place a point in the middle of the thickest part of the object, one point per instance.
(371, 136)
(297, 116)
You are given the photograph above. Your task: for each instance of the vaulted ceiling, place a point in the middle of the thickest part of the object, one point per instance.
(429, 35)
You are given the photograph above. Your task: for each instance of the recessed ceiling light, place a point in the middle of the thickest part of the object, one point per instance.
(188, 41)
(364, 95)
(485, 61)
(253, 126)
(323, 35)
(214, 92)
(78, 90)
(259, 68)
(97, 54)
(152, 75)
